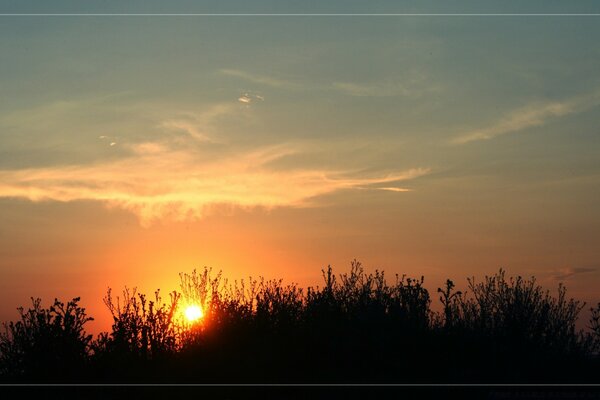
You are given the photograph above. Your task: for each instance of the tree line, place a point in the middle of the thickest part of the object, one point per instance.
(356, 327)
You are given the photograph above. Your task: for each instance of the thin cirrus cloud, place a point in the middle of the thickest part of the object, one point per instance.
(157, 182)
(411, 84)
(569, 272)
(199, 126)
(362, 90)
(190, 128)
(532, 115)
(180, 175)
(260, 79)
(395, 189)
(248, 98)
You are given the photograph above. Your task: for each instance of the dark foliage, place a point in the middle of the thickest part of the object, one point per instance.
(144, 334)
(357, 327)
(46, 344)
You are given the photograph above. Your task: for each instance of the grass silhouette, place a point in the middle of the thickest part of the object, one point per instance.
(357, 327)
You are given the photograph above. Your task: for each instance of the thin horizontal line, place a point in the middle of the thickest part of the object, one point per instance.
(313, 384)
(298, 15)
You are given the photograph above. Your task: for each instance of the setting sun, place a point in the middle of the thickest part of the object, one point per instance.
(232, 197)
(193, 313)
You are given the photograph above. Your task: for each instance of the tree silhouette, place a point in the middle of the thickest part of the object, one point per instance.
(46, 343)
(357, 327)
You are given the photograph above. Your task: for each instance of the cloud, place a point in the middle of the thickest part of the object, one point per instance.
(395, 189)
(148, 148)
(566, 273)
(411, 84)
(247, 98)
(360, 90)
(157, 182)
(189, 167)
(200, 126)
(260, 79)
(112, 141)
(193, 129)
(536, 114)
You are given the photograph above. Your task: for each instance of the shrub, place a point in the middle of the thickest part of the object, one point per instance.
(46, 343)
(520, 311)
(357, 327)
(594, 336)
(141, 329)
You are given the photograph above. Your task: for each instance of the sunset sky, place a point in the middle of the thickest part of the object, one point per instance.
(135, 148)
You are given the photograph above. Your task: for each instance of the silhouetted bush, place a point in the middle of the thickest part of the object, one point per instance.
(46, 343)
(357, 327)
(500, 320)
(594, 335)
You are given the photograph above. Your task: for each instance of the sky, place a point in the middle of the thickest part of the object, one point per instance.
(135, 148)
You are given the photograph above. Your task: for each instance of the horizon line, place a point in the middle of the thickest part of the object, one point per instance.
(307, 384)
(299, 14)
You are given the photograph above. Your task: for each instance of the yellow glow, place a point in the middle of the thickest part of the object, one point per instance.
(193, 313)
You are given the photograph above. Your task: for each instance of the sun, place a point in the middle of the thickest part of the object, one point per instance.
(193, 313)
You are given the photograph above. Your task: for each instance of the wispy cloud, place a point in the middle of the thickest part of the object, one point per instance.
(395, 189)
(158, 182)
(536, 114)
(260, 79)
(413, 84)
(248, 98)
(569, 272)
(110, 140)
(200, 125)
(186, 169)
(190, 128)
(362, 90)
